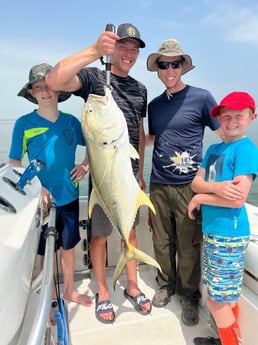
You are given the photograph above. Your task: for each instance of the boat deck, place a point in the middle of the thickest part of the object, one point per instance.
(162, 326)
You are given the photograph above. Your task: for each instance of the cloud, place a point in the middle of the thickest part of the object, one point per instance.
(239, 23)
(16, 59)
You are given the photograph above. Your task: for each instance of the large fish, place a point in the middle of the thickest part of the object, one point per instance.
(114, 186)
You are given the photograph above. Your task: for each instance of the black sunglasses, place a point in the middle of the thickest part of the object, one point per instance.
(173, 64)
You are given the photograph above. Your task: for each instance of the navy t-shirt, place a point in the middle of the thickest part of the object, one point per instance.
(178, 124)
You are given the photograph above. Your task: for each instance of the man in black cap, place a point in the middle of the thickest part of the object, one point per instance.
(70, 74)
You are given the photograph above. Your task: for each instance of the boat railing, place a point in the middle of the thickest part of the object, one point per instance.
(39, 326)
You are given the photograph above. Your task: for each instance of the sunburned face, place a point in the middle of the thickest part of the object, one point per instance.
(124, 56)
(234, 122)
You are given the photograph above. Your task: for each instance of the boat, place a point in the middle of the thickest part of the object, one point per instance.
(21, 218)
(162, 326)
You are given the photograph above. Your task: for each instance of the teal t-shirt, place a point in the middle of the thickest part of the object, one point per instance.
(53, 143)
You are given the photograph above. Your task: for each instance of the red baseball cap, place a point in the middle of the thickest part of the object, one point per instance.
(235, 100)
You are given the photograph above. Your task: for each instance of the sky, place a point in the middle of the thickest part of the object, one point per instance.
(221, 37)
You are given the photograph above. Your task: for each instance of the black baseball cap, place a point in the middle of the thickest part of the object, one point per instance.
(128, 30)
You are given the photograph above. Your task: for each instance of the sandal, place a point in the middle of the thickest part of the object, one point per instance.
(104, 307)
(206, 341)
(138, 301)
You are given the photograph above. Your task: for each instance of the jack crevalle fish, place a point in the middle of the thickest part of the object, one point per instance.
(114, 186)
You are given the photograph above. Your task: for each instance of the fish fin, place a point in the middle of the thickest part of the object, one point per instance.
(133, 153)
(132, 253)
(143, 199)
(93, 201)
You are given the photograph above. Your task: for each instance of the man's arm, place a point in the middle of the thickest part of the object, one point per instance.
(63, 77)
(149, 140)
(141, 154)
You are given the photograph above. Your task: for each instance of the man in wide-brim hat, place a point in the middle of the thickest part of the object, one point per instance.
(170, 48)
(177, 119)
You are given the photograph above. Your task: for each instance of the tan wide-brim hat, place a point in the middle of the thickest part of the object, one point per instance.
(170, 48)
(38, 72)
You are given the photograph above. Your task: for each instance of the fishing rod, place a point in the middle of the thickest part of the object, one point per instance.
(111, 28)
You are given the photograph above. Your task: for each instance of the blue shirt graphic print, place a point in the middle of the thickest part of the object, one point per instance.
(223, 162)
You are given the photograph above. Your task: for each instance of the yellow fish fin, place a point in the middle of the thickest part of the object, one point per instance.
(92, 202)
(143, 199)
(133, 153)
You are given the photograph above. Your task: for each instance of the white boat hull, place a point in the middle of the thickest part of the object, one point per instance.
(19, 236)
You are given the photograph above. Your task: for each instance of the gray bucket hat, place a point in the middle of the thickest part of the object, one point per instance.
(128, 30)
(38, 72)
(169, 48)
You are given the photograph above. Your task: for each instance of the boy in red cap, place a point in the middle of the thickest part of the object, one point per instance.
(223, 183)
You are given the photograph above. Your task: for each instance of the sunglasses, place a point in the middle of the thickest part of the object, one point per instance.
(172, 64)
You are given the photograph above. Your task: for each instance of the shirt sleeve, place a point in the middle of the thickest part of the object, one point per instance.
(17, 149)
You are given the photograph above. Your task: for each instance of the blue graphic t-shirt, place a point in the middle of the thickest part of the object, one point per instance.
(53, 143)
(223, 162)
(178, 124)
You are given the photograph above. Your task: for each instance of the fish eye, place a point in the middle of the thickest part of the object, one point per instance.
(90, 110)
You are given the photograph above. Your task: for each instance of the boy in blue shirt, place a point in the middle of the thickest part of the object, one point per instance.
(51, 136)
(223, 183)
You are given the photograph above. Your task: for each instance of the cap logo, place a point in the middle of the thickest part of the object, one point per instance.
(131, 31)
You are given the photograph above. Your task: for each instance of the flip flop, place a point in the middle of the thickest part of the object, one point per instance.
(103, 307)
(206, 341)
(138, 301)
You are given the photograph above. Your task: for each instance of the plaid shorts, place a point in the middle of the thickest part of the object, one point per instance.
(223, 266)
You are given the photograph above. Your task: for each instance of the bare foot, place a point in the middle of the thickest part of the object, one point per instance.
(76, 297)
(54, 307)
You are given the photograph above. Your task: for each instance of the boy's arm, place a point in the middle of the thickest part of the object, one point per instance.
(226, 189)
(15, 162)
(79, 170)
(231, 194)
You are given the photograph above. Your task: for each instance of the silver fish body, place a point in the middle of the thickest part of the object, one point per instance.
(114, 186)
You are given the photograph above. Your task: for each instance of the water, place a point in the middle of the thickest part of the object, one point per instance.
(6, 127)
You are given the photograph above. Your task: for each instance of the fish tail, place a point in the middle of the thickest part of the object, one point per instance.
(123, 259)
(132, 253)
